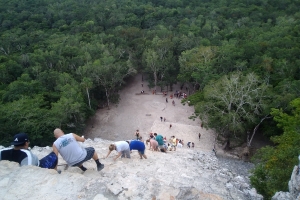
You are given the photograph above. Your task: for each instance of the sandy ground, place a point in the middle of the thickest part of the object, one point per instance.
(143, 112)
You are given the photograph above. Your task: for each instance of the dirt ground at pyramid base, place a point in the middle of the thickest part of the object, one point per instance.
(135, 111)
(143, 111)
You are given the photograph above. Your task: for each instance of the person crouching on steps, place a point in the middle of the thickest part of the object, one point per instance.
(139, 146)
(72, 152)
(121, 147)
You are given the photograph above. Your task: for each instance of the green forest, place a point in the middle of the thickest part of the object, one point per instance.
(60, 61)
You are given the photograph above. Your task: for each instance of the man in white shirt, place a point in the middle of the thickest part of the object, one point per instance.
(121, 147)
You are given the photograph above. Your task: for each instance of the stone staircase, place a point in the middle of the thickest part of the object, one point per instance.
(182, 174)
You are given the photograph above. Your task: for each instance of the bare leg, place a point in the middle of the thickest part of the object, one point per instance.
(95, 156)
(140, 155)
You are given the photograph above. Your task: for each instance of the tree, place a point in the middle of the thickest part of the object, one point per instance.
(86, 79)
(24, 86)
(152, 63)
(69, 108)
(109, 74)
(87, 84)
(274, 165)
(195, 65)
(164, 49)
(233, 104)
(28, 115)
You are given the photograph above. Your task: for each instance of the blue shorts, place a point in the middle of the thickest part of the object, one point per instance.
(49, 161)
(142, 152)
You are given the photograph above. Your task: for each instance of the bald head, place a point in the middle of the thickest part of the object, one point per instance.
(58, 132)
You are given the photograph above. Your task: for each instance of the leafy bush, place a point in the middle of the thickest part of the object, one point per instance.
(275, 164)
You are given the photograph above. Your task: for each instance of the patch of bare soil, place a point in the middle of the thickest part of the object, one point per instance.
(143, 112)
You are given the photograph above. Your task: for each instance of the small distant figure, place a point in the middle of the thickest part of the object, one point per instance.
(169, 147)
(170, 125)
(173, 143)
(140, 139)
(215, 152)
(142, 84)
(181, 142)
(166, 100)
(137, 134)
(199, 136)
(193, 145)
(161, 146)
(151, 135)
(189, 144)
(161, 118)
(142, 91)
(164, 119)
(153, 145)
(173, 102)
(179, 145)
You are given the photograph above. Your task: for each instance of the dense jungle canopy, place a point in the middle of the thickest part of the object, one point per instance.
(61, 60)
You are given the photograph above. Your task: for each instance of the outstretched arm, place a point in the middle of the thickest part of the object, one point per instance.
(108, 154)
(119, 154)
(78, 138)
(55, 149)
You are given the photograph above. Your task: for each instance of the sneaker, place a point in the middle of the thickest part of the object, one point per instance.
(100, 167)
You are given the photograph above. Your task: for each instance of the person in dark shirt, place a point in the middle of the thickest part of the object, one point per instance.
(189, 144)
(22, 155)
